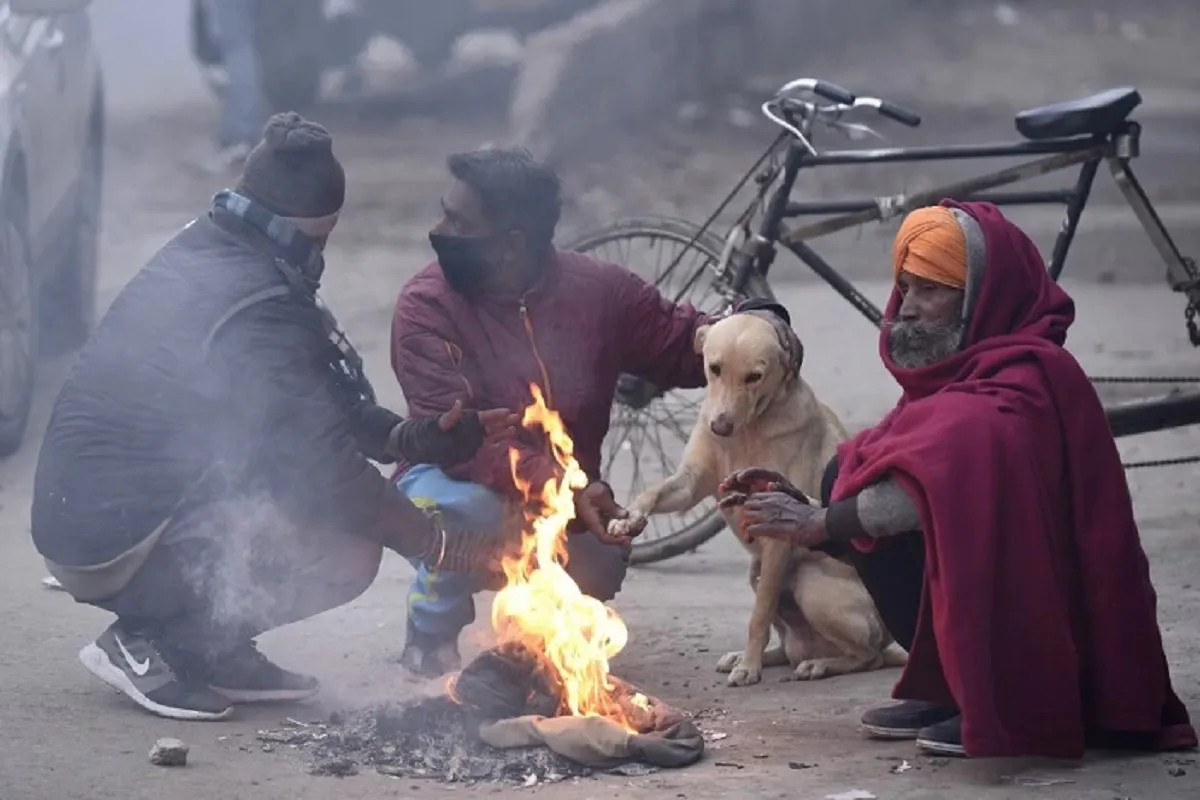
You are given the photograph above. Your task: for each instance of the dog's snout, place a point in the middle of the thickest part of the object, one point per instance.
(721, 425)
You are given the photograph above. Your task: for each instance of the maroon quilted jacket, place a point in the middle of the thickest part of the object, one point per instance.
(573, 334)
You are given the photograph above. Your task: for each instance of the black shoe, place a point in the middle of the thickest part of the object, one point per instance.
(429, 655)
(943, 738)
(245, 675)
(905, 719)
(161, 679)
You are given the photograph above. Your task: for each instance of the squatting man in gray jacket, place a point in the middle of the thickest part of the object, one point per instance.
(205, 472)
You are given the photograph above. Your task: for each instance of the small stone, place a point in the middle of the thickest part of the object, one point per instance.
(336, 767)
(169, 753)
(1177, 772)
(799, 765)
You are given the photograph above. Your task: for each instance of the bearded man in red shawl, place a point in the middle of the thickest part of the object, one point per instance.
(988, 514)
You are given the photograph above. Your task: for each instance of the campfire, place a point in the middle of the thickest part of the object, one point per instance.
(546, 681)
(541, 612)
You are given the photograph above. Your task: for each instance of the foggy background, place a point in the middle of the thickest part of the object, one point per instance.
(647, 106)
(146, 54)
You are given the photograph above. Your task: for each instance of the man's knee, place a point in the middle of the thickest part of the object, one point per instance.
(353, 569)
(598, 569)
(460, 504)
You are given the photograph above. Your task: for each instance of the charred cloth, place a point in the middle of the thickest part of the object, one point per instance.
(505, 723)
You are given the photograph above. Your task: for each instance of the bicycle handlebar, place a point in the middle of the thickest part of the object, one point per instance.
(846, 100)
(830, 91)
(901, 115)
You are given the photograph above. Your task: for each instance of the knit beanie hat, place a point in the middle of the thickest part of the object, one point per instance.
(293, 171)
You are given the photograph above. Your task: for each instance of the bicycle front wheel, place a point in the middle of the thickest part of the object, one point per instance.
(649, 428)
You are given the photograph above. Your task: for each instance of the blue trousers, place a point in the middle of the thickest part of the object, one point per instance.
(442, 603)
(233, 29)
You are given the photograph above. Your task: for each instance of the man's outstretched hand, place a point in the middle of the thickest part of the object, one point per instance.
(595, 507)
(498, 424)
(454, 437)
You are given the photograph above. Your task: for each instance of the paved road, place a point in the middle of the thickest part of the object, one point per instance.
(65, 736)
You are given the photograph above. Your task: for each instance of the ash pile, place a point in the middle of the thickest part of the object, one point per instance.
(505, 724)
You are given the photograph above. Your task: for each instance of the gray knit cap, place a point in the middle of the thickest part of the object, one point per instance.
(293, 171)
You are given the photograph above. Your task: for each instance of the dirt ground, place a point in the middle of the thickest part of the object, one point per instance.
(67, 736)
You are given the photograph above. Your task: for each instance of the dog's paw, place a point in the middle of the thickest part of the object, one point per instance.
(740, 674)
(728, 661)
(745, 675)
(810, 670)
(629, 527)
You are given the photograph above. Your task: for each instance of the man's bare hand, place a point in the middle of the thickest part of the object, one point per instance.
(595, 507)
(755, 480)
(777, 515)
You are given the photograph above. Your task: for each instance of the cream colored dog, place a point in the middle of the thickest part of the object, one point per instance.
(759, 412)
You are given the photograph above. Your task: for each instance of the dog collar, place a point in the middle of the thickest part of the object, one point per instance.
(781, 320)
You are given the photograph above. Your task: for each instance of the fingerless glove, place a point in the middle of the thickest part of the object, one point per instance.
(421, 441)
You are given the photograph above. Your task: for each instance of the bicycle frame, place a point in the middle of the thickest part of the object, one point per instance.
(1053, 155)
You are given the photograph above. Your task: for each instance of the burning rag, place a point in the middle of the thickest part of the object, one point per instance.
(1037, 614)
(598, 742)
(508, 691)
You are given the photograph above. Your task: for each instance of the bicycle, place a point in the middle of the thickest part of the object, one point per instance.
(1079, 133)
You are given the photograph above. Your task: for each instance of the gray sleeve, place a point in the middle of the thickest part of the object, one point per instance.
(305, 435)
(885, 509)
(882, 509)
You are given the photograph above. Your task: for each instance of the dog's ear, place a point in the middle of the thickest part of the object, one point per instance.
(698, 340)
(791, 350)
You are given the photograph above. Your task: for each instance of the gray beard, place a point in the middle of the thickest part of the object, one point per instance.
(912, 345)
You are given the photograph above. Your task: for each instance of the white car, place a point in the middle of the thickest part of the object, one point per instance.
(51, 146)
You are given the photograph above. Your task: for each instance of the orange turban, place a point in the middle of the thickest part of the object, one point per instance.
(930, 244)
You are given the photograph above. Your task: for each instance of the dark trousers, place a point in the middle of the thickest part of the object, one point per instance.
(894, 574)
(224, 574)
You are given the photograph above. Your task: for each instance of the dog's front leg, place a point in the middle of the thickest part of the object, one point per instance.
(775, 561)
(679, 492)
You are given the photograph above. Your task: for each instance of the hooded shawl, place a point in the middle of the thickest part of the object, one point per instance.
(1037, 614)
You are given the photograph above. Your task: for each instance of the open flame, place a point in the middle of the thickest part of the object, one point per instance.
(540, 606)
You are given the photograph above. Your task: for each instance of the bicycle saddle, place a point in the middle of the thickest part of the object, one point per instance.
(1097, 114)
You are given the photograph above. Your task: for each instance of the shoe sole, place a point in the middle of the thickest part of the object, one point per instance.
(266, 696)
(891, 734)
(940, 748)
(96, 661)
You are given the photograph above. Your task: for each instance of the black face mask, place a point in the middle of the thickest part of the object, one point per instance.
(464, 263)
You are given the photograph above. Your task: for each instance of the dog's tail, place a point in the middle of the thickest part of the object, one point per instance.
(894, 656)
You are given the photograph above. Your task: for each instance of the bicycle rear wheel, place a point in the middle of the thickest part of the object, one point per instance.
(662, 421)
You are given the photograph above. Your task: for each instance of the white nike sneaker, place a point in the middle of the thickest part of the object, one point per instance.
(160, 679)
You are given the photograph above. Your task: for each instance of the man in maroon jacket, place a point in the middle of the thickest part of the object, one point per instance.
(501, 309)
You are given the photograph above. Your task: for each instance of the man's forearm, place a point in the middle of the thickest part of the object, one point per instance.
(882, 509)
(373, 425)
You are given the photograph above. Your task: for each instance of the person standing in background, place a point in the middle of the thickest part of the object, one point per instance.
(232, 23)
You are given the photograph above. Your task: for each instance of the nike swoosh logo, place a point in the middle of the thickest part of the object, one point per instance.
(140, 668)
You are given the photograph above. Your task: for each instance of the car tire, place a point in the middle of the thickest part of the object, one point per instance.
(18, 321)
(68, 301)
